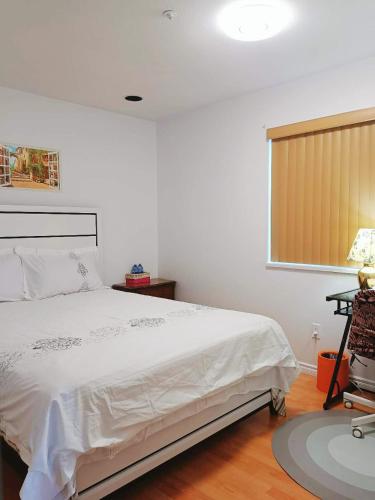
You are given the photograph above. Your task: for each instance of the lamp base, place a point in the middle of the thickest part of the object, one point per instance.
(366, 277)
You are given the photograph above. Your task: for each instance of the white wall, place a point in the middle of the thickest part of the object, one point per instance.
(108, 161)
(213, 204)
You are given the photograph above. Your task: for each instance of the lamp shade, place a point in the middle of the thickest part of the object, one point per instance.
(363, 248)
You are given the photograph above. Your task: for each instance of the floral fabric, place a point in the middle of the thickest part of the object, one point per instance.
(362, 333)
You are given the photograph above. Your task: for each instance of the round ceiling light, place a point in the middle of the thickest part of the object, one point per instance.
(251, 20)
(133, 98)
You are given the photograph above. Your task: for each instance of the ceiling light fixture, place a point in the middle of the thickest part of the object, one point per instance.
(251, 20)
(133, 98)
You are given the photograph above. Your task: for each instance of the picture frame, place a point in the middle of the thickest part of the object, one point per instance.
(27, 167)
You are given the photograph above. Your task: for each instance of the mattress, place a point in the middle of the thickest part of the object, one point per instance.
(104, 369)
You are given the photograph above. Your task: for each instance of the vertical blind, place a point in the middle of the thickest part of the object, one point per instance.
(323, 189)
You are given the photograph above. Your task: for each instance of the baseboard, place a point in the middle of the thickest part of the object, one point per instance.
(307, 368)
(363, 383)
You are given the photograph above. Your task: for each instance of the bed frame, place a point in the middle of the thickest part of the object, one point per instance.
(69, 227)
(48, 227)
(139, 459)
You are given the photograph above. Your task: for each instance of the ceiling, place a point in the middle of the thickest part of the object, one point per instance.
(94, 52)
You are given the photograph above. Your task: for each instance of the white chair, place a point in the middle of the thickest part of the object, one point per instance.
(349, 399)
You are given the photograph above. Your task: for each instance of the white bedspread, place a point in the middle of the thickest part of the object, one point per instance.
(94, 369)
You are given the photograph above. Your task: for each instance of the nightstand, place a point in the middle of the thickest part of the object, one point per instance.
(157, 288)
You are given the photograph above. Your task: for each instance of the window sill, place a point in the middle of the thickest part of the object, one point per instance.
(311, 267)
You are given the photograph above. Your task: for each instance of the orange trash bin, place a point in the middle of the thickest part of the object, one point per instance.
(326, 364)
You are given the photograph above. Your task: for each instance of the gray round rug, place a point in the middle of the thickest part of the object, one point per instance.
(319, 452)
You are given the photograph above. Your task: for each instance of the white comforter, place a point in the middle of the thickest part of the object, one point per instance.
(94, 369)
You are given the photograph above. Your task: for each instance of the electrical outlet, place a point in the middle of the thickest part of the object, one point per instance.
(315, 331)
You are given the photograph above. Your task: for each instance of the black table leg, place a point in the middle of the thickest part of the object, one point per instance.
(329, 399)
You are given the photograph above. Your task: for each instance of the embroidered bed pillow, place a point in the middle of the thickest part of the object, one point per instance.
(54, 272)
(11, 276)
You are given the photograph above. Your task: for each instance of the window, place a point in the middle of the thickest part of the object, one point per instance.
(323, 187)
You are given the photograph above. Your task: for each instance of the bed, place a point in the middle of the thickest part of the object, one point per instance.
(98, 387)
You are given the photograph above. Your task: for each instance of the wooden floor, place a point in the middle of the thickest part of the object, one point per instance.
(236, 463)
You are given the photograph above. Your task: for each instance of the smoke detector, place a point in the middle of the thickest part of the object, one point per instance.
(170, 14)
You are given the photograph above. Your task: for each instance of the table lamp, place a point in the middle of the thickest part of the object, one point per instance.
(363, 250)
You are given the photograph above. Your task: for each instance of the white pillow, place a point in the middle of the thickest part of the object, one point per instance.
(54, 272)
(11, 276)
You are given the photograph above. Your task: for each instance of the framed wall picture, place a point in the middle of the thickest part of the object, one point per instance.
(24, 167)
